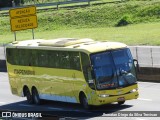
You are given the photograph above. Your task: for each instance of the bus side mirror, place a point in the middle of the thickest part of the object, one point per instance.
(91, 84)
(136, 65)
(90, 76)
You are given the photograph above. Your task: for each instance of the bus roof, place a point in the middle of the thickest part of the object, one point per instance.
(86, 44)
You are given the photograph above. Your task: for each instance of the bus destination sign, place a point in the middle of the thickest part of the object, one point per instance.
(23, 18)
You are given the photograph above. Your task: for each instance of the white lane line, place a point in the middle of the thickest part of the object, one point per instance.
(25, 105)
(140, 119)
(144, 99)
(2, 102)
(55, 108)
(82, 111)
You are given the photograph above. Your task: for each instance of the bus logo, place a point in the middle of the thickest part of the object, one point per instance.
(6, 114)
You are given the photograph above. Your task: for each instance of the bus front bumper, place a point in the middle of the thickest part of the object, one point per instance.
(111, 99)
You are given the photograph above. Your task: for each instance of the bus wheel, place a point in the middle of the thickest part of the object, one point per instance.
(121, 102)
(28, 96)
(84, 102)
(36, 98)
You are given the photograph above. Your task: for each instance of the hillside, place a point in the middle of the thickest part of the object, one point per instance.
(111, 14)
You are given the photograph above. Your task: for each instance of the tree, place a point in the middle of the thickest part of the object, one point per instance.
(5, 3)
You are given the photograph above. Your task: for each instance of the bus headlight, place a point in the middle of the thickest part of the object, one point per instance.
(134, 90)
(103, 95)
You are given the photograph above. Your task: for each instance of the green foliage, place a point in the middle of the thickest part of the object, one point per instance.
(5, 3)
(125, 20)
(106, 15)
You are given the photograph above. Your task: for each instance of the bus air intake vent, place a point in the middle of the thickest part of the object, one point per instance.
(64, 42)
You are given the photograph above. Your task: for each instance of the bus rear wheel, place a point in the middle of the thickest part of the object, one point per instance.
(84, 102)
(28, 96)
(36, 98)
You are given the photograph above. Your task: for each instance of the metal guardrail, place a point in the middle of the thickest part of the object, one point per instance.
(2, 51)
(58, 3)
(147, 56)
(46, 3)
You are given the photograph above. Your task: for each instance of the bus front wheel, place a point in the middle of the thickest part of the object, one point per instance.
(121, 102)
(36, 98)
(28, 96)
(84, 102)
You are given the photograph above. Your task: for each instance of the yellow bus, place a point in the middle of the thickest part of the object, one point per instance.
(72, 70)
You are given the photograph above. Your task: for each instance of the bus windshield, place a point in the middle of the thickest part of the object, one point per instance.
(113, 69)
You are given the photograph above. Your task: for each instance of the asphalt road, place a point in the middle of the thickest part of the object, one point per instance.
(149, 100)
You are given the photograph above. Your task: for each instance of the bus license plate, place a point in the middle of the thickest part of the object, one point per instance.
(121, 99)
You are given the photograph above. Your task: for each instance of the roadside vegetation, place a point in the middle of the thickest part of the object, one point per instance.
(135, 22)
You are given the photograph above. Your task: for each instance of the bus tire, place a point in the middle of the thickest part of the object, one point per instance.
(84, 102)
(36, 98)
(121, 102)
(28, 95)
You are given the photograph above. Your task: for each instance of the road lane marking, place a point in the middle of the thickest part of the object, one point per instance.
(140, 119)
(144, 99)
(67, 110)
(25, 105)
(2, 102)
(55, 108)
(81, 111)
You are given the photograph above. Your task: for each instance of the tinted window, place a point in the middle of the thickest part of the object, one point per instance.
(86, 66)
(44, 58)
(12, 56)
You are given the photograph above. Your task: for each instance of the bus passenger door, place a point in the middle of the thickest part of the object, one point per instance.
(74, 82)
(69, 87)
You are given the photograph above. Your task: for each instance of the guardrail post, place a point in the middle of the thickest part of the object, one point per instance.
(136, 53)
(57, 4)
(88, 2)
(4, 50)
(13, 4)
(151, 56)
(15, 36)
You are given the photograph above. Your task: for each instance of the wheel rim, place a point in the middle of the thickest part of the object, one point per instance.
(85, 102)
(122, 102)
(36, 97)
(29, 97)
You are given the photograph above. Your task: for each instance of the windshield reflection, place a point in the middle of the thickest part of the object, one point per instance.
(113, 69)
(125, 68)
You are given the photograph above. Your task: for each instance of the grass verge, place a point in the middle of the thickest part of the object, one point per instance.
(138, 34)
(97, 22)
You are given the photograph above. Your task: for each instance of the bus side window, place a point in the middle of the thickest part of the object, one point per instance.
(53, 59)
(23, 57)
(15, 56)
(56, 60)
(86, 66)
(9, 55)
(74, 60)
(63, 57)
(34, 58)
(42, 59)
